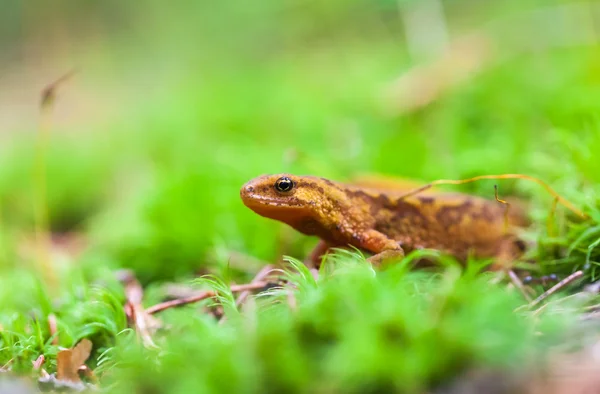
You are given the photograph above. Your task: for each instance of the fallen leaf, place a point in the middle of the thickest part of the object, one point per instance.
(69, 360)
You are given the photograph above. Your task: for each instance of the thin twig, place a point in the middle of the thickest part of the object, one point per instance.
(37, 364)
(140, 319)
(590, 316)
(543, 184)
(291, 299)
(259, 277)
(41, 221)
(49, 92)
(4, 367)
(592, 308)
(507, 207)
(556, 287)
(141, 324)
(517, 282)
(564, 299)
(552, 218)
(52, 326)
(201, 296)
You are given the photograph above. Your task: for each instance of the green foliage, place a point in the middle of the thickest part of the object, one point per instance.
(353, 331)
(83, 310)
(211, 94)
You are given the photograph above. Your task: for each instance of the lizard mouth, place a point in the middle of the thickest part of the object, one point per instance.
(257, 202)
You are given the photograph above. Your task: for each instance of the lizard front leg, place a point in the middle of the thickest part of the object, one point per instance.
(315, 258)
(384, 248)
(316, 255)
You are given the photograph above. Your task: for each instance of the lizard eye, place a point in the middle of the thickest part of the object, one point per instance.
(284, 184)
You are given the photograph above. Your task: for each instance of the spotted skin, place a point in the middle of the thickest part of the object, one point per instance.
(382, 222)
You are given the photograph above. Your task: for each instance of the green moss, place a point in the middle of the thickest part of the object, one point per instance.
(215, 94)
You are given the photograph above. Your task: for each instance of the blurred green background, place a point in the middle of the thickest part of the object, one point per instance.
(174, 106)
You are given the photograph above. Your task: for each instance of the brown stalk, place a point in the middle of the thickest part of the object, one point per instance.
(135, 310)
(201, 296)
(519, 285)
(259, 278)
(575, 275)
(37, 364)
(48, 96)
(291, 299)
(507, 207)
(547, 187)
(552, 218)
(52, 326)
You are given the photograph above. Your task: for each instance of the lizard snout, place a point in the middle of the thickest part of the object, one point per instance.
(247, 192)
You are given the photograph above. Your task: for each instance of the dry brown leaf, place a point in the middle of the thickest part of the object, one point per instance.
(69, 360)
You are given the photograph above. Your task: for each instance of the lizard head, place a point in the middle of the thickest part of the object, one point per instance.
(300, 201)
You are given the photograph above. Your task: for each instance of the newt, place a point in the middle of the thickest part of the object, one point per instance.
(384, 222)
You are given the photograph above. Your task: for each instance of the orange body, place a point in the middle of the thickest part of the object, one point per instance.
(383, 222)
